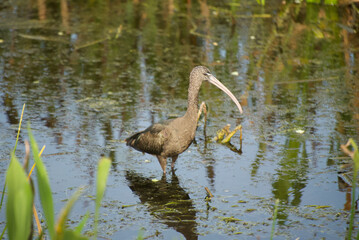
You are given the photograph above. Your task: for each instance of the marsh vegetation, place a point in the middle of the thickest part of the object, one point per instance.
(94, 72)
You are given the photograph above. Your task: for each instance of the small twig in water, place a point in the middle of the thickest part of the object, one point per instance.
(209, 194)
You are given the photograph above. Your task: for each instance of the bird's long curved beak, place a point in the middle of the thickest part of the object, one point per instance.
(218, 84)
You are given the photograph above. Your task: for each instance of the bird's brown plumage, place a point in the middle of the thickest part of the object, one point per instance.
(150, 140)
(172, 137)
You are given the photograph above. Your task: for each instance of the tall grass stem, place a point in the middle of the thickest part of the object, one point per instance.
(3, 232)
(18, 131)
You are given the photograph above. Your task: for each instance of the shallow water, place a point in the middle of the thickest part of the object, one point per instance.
(93, 73)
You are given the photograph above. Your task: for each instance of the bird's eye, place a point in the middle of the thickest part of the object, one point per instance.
(207, 73)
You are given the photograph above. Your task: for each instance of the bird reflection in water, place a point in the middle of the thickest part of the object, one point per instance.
(167, 201)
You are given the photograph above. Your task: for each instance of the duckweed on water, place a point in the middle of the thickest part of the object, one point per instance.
(318, 206)
(250, 210)
(229, 219)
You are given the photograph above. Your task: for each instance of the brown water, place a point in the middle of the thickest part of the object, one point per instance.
(94, 72)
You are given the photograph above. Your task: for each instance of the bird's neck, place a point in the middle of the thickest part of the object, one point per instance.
(192, 108)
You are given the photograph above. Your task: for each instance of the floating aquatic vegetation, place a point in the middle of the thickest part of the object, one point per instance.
(230, 219)
(224, 135)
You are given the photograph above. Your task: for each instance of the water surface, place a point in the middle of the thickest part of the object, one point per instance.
(92, 73)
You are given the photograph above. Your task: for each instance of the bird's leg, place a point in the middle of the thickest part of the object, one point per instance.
(173, 161)
(204, 109)
(163, 163)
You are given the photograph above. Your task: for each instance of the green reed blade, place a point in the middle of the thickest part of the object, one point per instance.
(19, 201)
(102, 174)
(61, 223)
(43, 183)
(82, 224)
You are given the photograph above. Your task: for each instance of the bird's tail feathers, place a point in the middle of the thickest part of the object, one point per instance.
(130, 141)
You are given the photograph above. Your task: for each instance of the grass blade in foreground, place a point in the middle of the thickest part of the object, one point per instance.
(43, 186)
(81, 225)
(2, 195)
(19, 201)
(61, 231)
(102, 174)
(18, 131)
(61, 222)
(355, 156)
(17, 139)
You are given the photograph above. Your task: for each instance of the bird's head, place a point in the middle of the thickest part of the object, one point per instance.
(201, 73)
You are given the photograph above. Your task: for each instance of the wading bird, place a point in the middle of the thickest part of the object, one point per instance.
(172, 137)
